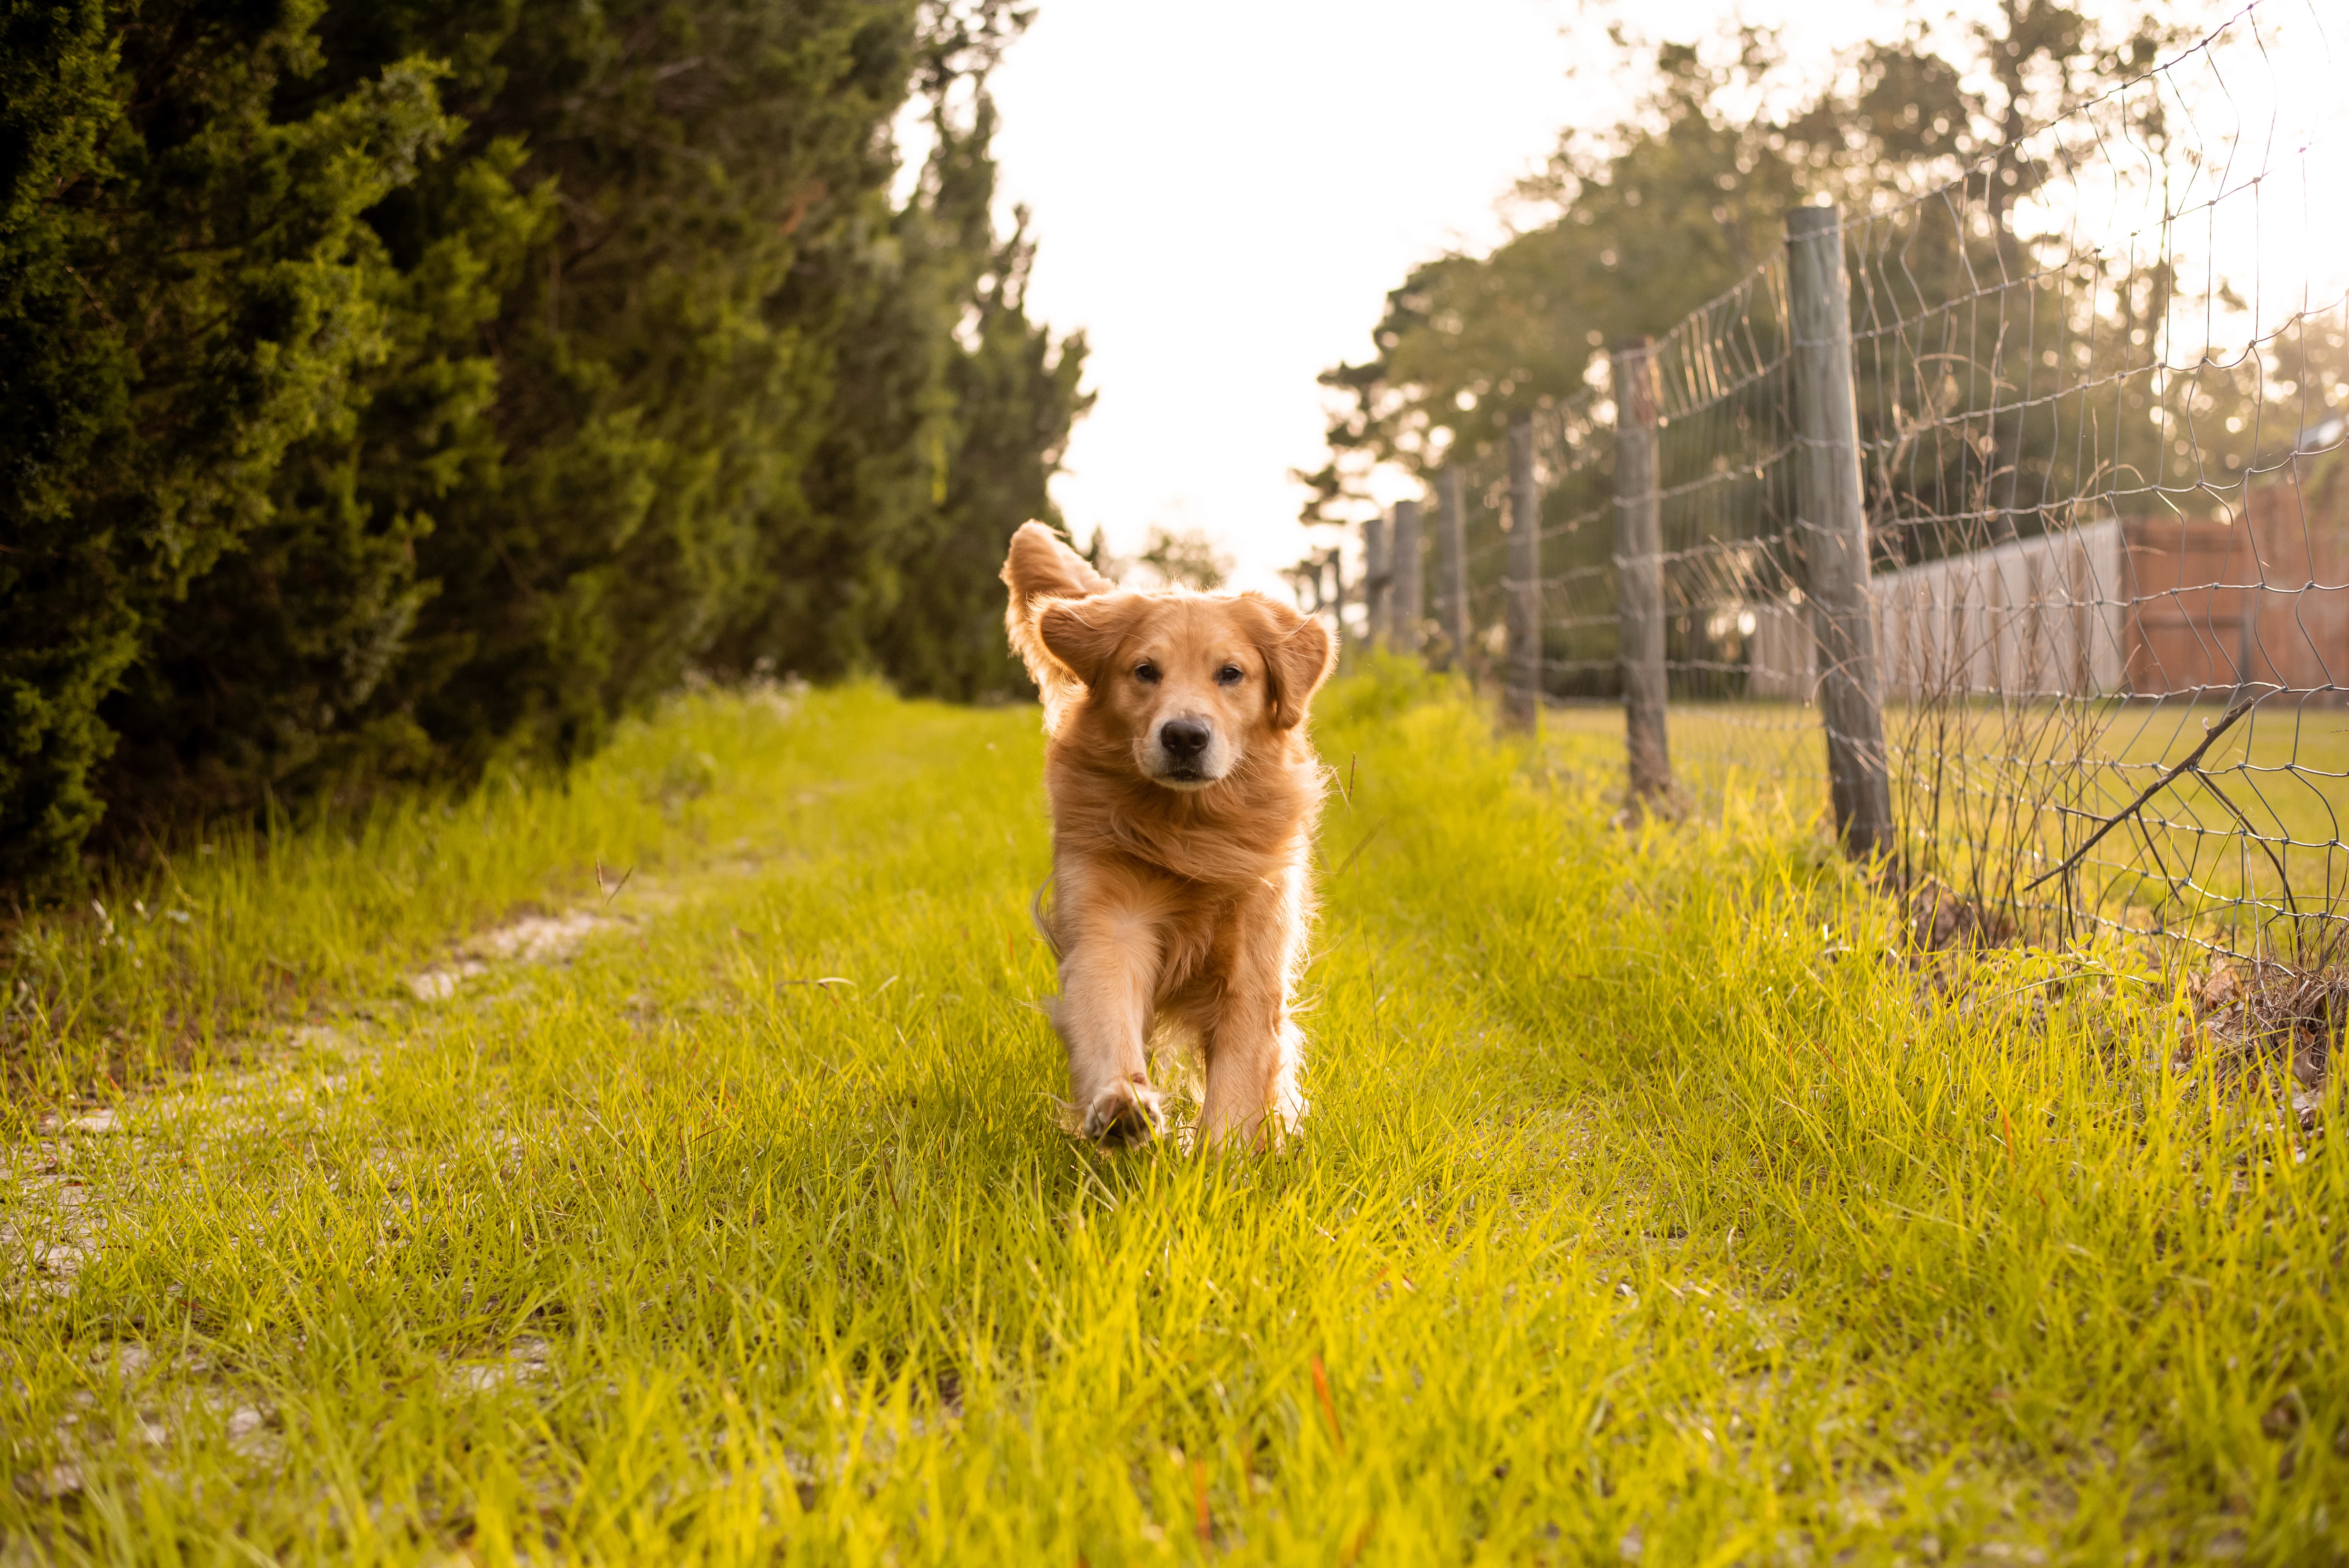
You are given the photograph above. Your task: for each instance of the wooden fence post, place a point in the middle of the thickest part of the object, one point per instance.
(1336, 559)
(1375, 581)
(1521, 701)
(1452, 570)
(1638, 570)
(1831, 521)
(1406, 613)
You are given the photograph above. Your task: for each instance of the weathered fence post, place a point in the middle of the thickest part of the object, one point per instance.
(1375, 579)
(1452, 570)
(1832, 523)
(1405, 612)
(1521, 702)
(1337, 597)
(1638, 570)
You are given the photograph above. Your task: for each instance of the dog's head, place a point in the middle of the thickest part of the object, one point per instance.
(1189, 685)
(1192, 683)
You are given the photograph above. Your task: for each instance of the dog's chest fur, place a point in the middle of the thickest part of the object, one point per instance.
(1193, 868)
(1246, 830)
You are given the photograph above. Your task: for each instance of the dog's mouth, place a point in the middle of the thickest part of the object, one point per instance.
(1184, 777)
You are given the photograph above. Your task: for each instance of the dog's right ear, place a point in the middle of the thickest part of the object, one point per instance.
(1084, 634)
(1039, 570)
(1040, 567)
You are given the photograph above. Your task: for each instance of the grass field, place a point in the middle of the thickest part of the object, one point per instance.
(2186, 864)
(1650, 1210)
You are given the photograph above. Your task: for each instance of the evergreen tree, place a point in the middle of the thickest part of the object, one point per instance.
(1001, 408)
(188, 294)
(395, 388)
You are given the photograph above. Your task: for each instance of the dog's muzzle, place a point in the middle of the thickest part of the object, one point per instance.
(1185, 753)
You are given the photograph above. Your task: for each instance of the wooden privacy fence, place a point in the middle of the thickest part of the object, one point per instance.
(1959, 496)
(2201, 608)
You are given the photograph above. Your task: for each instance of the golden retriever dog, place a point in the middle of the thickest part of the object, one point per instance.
(1184, 795)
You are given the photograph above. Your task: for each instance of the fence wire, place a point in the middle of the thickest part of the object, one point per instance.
(1731, 566)
(2101, 382)
(1573, 459)
(2103, 516)
(1572, 463)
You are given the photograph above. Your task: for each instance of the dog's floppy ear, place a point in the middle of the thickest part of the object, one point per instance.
(1298, 654)
(1084, 635)
(1039, 570)
(1040, 567)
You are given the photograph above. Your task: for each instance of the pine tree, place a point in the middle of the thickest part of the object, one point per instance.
(393, 389)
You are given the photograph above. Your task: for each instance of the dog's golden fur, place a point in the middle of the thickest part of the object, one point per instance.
(1181, 856)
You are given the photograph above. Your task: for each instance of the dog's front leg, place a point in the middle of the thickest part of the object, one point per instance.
(1107, 983)
(1253, 1045)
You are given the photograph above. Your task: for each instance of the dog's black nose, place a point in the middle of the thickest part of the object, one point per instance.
(1184, 738)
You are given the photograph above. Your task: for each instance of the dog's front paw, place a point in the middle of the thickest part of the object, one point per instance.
(1125, 1115)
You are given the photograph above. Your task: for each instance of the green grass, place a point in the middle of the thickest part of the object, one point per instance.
(2184, 865)
(1646, 1210)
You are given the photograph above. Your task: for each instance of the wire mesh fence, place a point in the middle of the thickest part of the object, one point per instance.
(1730, 559)
(1571, 452)
(2093, 392)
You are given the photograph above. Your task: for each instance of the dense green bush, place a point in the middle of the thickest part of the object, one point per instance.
(390, 390)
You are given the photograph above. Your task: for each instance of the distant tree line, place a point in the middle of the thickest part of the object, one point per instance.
(391, 389)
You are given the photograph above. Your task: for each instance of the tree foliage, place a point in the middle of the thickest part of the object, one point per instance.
(1639, 223)
(390, 390)
(1185, 558)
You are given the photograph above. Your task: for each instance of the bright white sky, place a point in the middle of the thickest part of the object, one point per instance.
(1225, 190)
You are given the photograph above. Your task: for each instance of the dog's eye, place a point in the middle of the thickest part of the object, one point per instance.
(1230, 675)
(1146, 674)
